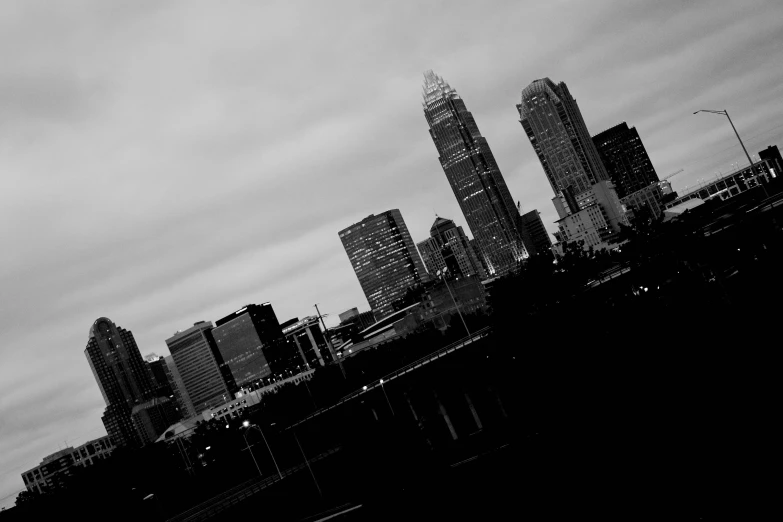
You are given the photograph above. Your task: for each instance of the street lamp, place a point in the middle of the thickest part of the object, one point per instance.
(247, 426)
(726, 113)
(387, 397)
(442, 275)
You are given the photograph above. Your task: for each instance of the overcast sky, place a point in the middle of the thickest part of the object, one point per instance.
(169, 162)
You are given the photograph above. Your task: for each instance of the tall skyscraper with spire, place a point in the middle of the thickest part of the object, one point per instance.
(557, 131)
(474, 176)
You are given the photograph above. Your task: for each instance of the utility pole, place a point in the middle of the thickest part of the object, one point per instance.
(329, 342)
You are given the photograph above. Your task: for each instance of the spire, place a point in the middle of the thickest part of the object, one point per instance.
(435, 88)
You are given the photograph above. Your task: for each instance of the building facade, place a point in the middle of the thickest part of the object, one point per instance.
(153, 417)
(249, 342)
(474, 176)
(729, 185)
(534, 228)
(383, 258)
(205, 376)
(774, 160)
(625, 159)
(157, 366)
(122, 376)
(181, 398)
(55, 469)
(556, 130)
(448, 246)
(310, 342)
(650, 196)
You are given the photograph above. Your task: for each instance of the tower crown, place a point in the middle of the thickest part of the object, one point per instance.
(436, 88)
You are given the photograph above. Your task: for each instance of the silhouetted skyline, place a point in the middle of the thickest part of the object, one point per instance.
(165, 164)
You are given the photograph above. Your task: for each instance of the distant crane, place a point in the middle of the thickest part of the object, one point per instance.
(672, 175)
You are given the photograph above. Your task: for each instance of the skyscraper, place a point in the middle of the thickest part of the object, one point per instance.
(553, 123)
(250, 342)
(534, 227)
(625, 159)
(122, 376)
(474, 176)
(447, 240)
(384, 259)
(207, 380)
(178, 387)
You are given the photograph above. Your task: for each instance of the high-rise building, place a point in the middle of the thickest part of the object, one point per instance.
(206, 378)
(384, 259)
(625, 159)
(533, 226)
(181, 398)
(449, 247)
(474, 176)
(553, 123)
(157, 367)
(122, 376)
(250, 341)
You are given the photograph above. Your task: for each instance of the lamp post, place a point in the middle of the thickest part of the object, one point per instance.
(247, 426)
(726, 113)
(387, 398)
(442, 275)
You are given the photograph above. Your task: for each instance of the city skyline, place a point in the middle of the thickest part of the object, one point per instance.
(159, 181)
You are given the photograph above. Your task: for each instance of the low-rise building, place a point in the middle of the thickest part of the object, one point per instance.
(650, 196)
(310, 341)
(54, 470)
(729, 185)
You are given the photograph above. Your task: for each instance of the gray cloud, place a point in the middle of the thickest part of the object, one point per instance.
(168, 162)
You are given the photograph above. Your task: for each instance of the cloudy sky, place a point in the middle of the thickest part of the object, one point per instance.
(168, 162)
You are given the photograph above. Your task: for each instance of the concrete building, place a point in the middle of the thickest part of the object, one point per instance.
(729, 185)
(625, 159)
(650, 196)
(55, 469)
(309, 340)
(774, 160)
(384, 259)
(448, 246)
(206, 378)
(122, 376)
(249, 342)
(474, 176)
(588, 227)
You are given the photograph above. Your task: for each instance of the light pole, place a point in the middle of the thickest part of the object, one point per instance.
(442, 275)
(726, 113)
(387, 398)
(247, 426)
